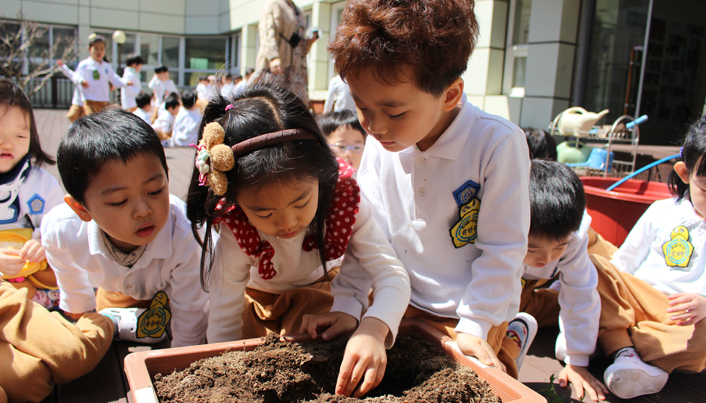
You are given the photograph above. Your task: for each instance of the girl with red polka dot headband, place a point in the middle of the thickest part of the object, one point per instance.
(289, 244)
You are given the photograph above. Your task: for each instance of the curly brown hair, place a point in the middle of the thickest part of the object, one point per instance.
(434, 37)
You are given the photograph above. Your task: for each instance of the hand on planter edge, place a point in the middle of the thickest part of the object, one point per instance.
(479, 348)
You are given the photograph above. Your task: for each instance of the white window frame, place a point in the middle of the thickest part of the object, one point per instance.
(335, 10)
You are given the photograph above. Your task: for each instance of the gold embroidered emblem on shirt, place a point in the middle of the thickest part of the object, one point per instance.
(465, 231)
(677, 252)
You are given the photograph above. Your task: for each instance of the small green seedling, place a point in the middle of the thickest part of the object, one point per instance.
(551, 395)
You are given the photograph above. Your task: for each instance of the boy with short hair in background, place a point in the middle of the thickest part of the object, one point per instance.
(187, 121)
(144, 108)
(448, 182)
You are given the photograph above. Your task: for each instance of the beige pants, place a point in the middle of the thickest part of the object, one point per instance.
(75, 112)
(39, 348)
(633, 313)
(506, 349)
(282, 313)
(91, 107)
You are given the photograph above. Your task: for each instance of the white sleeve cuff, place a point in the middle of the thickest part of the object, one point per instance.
(476, 327)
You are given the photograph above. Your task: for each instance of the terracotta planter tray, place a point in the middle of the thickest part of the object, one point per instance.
(141, 366)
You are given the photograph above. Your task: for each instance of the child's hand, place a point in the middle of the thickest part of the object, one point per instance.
(583, 381)
(11, 263)
(335, 323)
(32, 250)
(365, 359)
(73, 316)
(479, 348)
(84, 83)
(60, 63)
(129, 82)
(276, 66)
(690, 308)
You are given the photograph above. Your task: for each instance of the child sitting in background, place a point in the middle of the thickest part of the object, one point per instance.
(144, 108)
(447, 181)
(186, 123)
(96, 76)
(28, 192)
(286, 210)
(653, 291)
(164, 124)
(161, 86)
(121, 231)
(345, 134)
(557, 247)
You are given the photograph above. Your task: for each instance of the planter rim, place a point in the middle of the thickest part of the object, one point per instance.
(140, 366)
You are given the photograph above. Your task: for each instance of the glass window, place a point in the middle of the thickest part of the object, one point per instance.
(205, 53)
(39, 35)
(128, 47)
(236, 50)
(520, 31)
(516, 52)
(149, 48)
(170, 52)
(62, 37)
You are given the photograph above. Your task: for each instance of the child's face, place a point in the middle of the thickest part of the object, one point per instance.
(97, 51)
(163, 76)
(129, 201)
(401, 115)
(281, 210)
(541, 251)
(173, 110)
(697, 187)
(348, 144)
(14, 137)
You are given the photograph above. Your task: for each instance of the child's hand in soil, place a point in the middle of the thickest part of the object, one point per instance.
(334, 324)
(479, 348)
(365, 359)
(32, 250)
(690, 308)
(583, 382)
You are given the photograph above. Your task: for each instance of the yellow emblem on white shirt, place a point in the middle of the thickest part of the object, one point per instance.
(677, 252)
(465, 231)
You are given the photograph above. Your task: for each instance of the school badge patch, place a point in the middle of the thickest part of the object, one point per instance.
(96, 75)
(36, 204)
(153, 322)
(465, 231)
(677, 252)
(466, 192)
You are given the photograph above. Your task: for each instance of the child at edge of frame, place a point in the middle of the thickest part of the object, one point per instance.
(286, 211)
(447, 181)
(121, 231)
(653, 290)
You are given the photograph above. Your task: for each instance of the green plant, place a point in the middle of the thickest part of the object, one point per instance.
(551, 395)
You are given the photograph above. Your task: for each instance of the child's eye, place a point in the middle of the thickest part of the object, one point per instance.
(303, 205)
(156, 192)
(264, 216)
(118, 203)
(395, 117)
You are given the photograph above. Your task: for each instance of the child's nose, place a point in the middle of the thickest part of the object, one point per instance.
(286, 221)
(142, 209)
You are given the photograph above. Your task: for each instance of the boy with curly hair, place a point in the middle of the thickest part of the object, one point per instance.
(448, 182)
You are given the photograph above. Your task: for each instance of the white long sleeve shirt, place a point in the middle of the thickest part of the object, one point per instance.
(161, 89)
(77, 252)
(128, 93)
(579, 302)
(642, 254)
(38, 194)
(368, 257)
(99, 76)
(412, 193)
(77, 98)
(186, 127)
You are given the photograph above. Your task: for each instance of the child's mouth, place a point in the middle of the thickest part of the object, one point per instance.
(145, 230)
(5, 155)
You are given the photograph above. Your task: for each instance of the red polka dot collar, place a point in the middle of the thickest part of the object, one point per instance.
(339, 224)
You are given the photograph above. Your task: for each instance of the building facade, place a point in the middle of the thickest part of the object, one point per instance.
(534, 58)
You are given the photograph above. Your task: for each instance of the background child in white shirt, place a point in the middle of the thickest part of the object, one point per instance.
(558, 242)
(96, 75)
(132, 73)
(164, 124)
(187, 121)
(122, 232)
(286, 210)
(144, 108)
(653, 291)
(345, 135)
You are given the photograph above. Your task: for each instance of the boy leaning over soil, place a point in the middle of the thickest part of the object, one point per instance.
(122, 232)
(558, 248)
(448, 182)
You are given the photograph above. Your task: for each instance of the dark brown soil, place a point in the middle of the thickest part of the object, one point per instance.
(417, 371)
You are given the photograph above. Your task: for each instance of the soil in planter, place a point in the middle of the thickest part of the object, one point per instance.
(417, 371)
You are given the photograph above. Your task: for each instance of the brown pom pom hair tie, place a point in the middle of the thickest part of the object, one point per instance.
(215, 158)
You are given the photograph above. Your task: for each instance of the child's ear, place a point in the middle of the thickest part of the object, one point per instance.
(78, 208)
(452, 95)
(683, 172)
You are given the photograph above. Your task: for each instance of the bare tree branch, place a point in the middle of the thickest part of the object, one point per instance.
(26, 55)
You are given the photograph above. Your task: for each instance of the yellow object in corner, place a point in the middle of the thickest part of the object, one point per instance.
(15, 239)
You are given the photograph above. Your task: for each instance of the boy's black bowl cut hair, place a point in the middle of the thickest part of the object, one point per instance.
(329, 122)
(94, 140)
(557, 200)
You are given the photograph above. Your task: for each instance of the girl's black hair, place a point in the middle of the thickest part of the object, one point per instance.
(329, 122)
(692, 154)
(12, 95)
(262, 108)
(541, 144)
